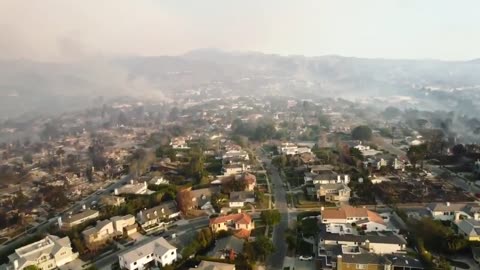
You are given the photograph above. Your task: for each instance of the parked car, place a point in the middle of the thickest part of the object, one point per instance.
(306, 258)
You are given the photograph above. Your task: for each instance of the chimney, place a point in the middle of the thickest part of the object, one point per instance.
(339, 179)
(59, 221)
(476, 216)
(145, 183)
(339, 262)
(131, 181)
(84, 207)
(15, 264)
(163, 210)
(347, 179)
(367, 244)
(239, 210)
(322, 208)
(448, 203)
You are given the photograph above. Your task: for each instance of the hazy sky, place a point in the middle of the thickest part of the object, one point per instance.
(62, 29)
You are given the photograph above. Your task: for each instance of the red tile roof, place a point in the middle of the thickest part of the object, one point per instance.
(240, 218)
(242, 233)
(352, 212)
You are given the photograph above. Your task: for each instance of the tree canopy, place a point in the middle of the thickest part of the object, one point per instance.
(417, 153)
(362, 133)
(270, 217)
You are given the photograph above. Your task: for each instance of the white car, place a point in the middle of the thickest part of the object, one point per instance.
(306, 258)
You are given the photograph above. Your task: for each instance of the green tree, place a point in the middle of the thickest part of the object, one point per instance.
(417, 153)
(280, 161)
(32, 267)
(362, 133)
(270, 217)
(263, 247)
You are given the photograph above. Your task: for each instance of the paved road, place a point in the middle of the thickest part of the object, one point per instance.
(185, 227)
(276, 259)
(87, 201)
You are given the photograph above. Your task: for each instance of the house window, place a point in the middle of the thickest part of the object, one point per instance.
(172, 252)
(135, 263)
(361, 266)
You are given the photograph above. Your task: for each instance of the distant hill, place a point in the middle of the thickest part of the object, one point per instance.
(29, 86)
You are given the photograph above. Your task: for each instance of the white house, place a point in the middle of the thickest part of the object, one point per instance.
(159, 180)
(230, 169)
(158, 250)
(454, 211)
(293, 149)
(132, 188)
(180, 143)
(469, 228)
(333, 192)
(326, 177)
(49, 253)
(365, 219)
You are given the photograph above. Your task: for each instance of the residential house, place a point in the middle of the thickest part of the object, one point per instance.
(230, 169)
(293, 149)
(157, 250)
(469, 228)
(102, 231)
(49, 253)
(369, 261)
(202, 197)
(156, 217)
(235, 154)
(180, 143)
(208, 265)
(403, 262)
(326, 177)
(454, 211)
(364, 219)
(237, 222)
(307, 158)
(121, 222)
(333, 192)
(376, 162)
(364, 261)
(227, 247)
(317, 169)
(250, 181)
(132, 188)
(158, 180)
(107, 229)
(73, 220)
(238, 199)
(373, 242)
(109, 200)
